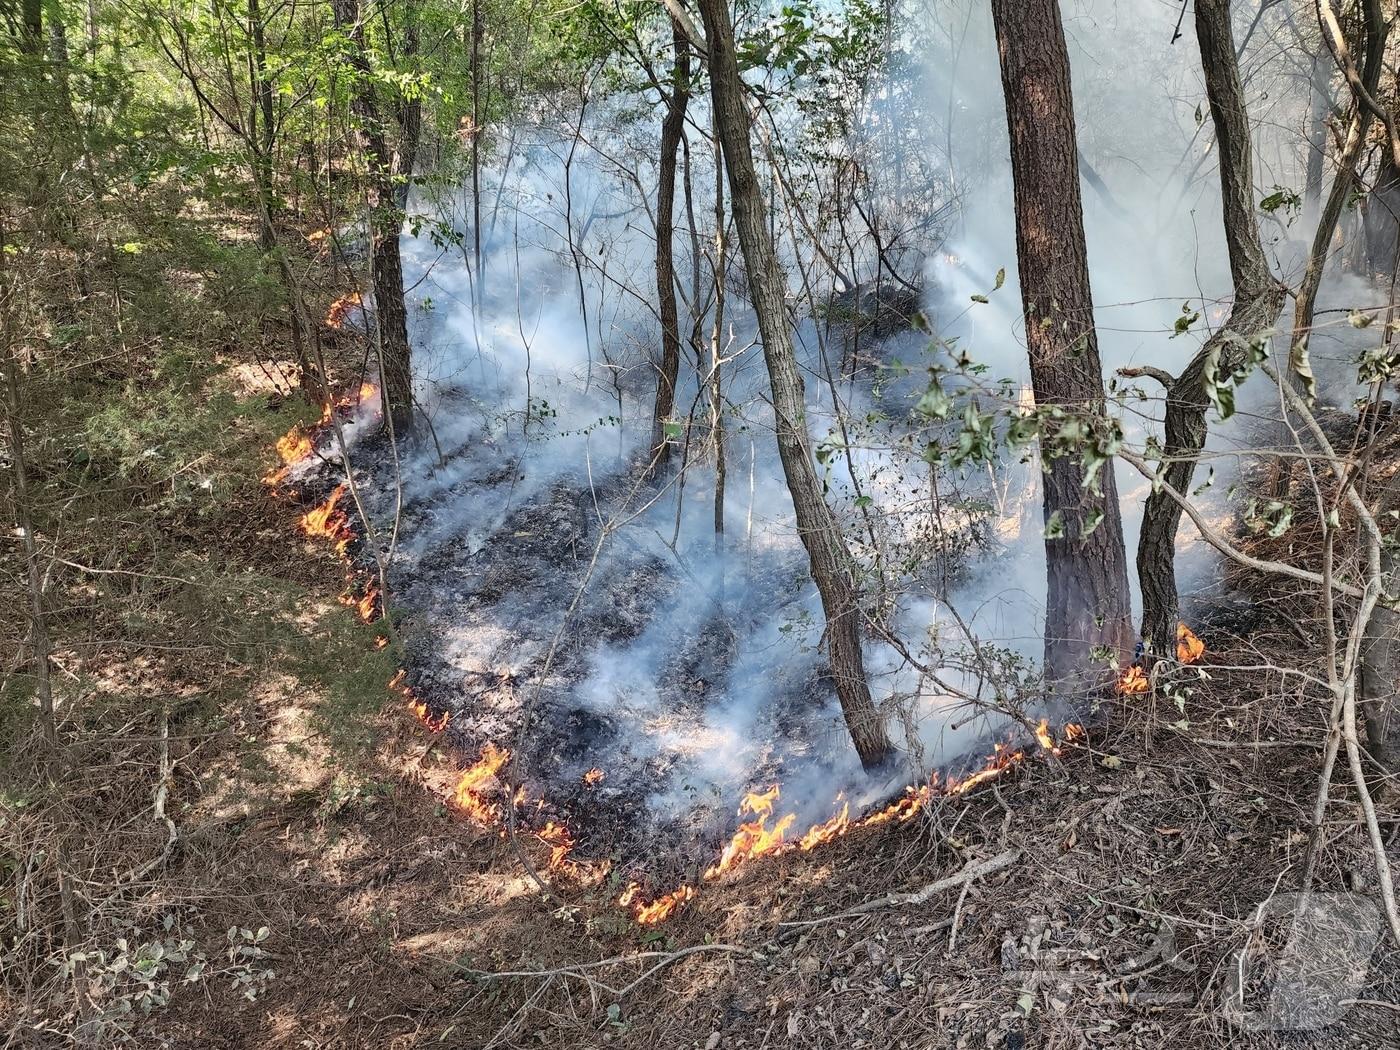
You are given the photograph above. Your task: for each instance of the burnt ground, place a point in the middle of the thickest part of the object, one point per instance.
(1141, 854)
(488, 641)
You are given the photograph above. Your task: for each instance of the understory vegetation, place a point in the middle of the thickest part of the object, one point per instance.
(697, 524)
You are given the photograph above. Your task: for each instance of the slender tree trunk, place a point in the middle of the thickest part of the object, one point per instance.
(831, 564)
(1379, 684)
(39, 643)
(1258, 299)
(1376, 31)
(671, 129)
(410, 111)
(386, 223)
(478, 29)
(1317, 135)
(717, 348)
(1087, 606)
(261, 118)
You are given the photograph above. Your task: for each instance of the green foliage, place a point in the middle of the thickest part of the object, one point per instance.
(1227, 366)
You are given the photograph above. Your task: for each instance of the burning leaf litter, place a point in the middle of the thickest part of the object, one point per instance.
(477, 786)
(1189, 649)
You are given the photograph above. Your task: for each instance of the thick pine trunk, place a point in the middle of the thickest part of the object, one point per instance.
(831, 565)
(671, 129)
(1087, 605)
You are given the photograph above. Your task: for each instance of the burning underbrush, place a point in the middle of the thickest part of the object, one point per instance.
(617, 740)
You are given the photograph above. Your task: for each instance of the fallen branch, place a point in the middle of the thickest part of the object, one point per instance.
(666, 959)
(974, 870)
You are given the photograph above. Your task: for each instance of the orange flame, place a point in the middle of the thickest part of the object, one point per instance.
(292, 447)
(469, 794)
(329, 521)
(594, 776)
(662, 907)
(1134, 680)
(906, 807)
(559, 841)
(1189, 648)
(827, 831)
(1000, 758)
(421, 711)
(754, 838)
(340, 310)
(366, 606)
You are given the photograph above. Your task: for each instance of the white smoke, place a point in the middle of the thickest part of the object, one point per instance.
(695, 679)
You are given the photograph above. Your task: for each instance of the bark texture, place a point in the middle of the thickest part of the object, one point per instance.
(1258, 298)
(1087, 603)
(831, 565)
(671, 130)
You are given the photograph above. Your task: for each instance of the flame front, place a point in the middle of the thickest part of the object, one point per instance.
(827, 831)
(1189, 648)
(292, 447)
(755, 837)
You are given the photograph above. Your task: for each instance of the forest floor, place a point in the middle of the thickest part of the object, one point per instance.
(1141, 856)
(308, 802)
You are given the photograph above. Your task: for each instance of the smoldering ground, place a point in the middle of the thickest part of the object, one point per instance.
(557, 606)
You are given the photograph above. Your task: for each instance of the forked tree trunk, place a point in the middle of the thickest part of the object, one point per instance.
(671, 130)
(832, 569)
(1258, 298)
(386, 223)
(1087, 614)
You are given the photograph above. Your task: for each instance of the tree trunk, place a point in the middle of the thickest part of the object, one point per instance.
(1258, 298)
(1374, 33)
(1379, 684)
(386, 223)
(717, 348)
(832, 569)
(1317, 135)
(671, 129)
(32, 27)
(1087, 610)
